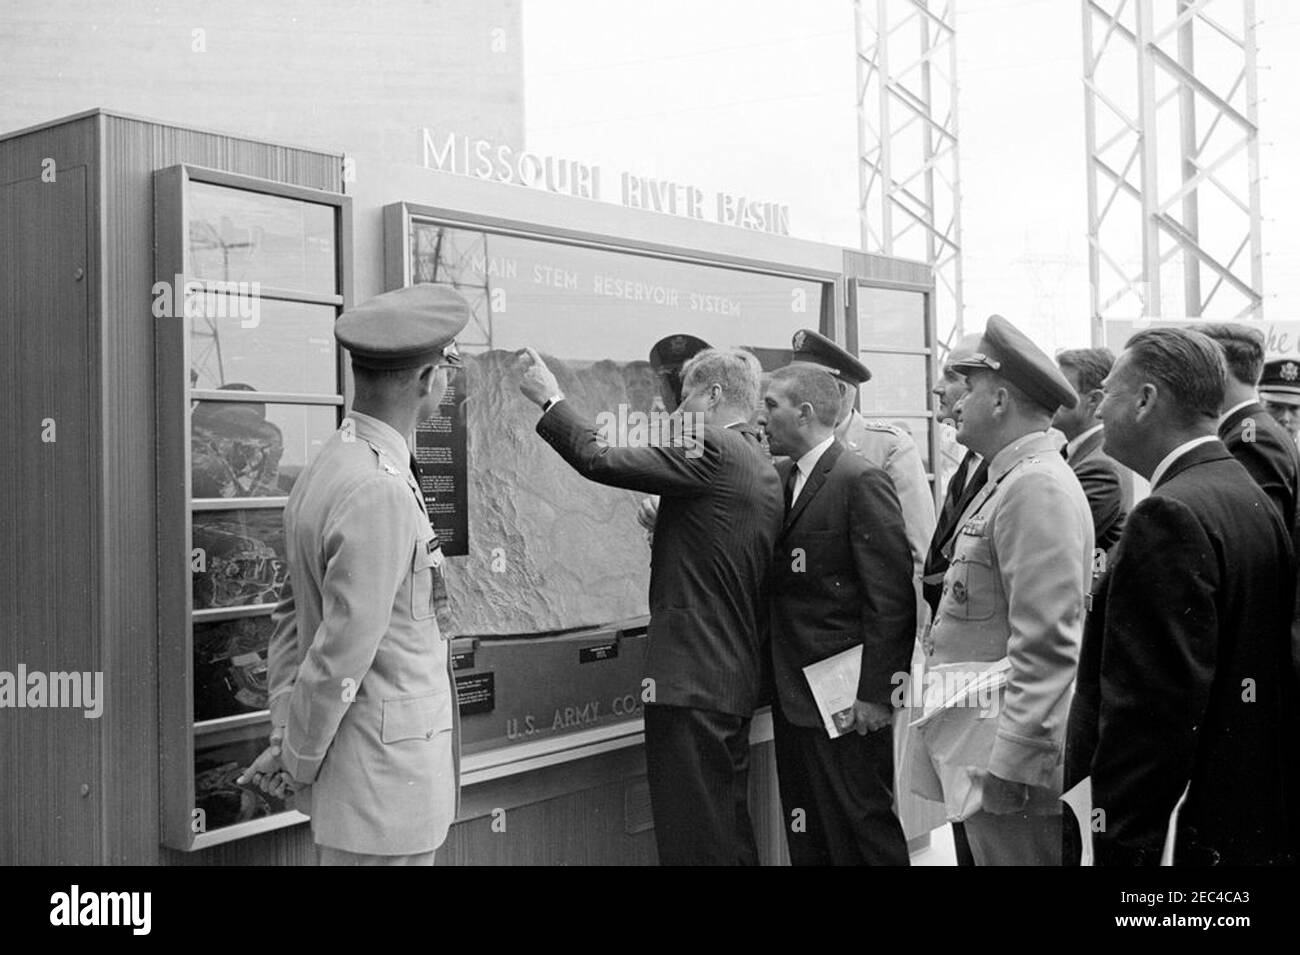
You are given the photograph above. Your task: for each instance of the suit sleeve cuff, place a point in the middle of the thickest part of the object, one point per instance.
(872, 691)
(301, 767)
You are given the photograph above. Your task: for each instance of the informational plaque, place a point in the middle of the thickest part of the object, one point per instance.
(440, 451)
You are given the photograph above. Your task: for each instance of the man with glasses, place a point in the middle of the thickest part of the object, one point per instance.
(361, 697)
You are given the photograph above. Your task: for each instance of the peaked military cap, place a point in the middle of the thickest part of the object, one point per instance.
(812, 347)
(405, 328)
(1005, 349)
(1280, 382)
(669, 354)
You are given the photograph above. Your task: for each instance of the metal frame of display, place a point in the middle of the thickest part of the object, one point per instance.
(178, 730)
(926, 351)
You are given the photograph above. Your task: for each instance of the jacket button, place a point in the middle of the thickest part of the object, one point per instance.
(429, 735)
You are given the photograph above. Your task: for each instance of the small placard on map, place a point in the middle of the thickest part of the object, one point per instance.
(602, 651)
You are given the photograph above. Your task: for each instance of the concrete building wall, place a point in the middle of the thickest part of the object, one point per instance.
(318, 73)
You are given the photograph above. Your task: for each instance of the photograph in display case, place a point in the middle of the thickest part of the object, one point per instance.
(222, 802)
(230, 667)
(248, 449)
(240, 557)
(234, 450)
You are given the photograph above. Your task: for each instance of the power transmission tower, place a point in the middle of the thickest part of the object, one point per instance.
(1173, 159)
(460, 259)
(207, 365)
(909, 193)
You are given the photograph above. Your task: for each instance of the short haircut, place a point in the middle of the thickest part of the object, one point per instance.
(1024, 402)
(381, 383)
(814, 387)
(1187, 364)
(736, 371)
(1090, 366)
(1243, 348)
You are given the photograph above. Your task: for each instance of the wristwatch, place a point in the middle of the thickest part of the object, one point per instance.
(551, 401)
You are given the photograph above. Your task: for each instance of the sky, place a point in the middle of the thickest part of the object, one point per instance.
(758, 97)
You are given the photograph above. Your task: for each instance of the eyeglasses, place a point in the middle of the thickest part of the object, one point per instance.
(451, 360)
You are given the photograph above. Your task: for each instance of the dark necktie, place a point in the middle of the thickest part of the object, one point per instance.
(957, 490)
(958, 479)
(961, 489)
(789, 487)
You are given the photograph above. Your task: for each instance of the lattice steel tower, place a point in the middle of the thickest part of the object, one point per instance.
(909, 195)
(1173, 159)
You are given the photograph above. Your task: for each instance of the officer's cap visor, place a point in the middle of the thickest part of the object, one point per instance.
(975, 362)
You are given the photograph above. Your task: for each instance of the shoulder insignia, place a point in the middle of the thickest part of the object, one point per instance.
(385, 461)
(875, 424)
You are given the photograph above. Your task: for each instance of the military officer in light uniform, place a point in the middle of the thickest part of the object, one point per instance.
(362, 703)
(1011, 609)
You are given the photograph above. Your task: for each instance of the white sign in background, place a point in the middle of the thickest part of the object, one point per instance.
(1281, 339)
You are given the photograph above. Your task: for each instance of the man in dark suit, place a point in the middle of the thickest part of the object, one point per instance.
(1107, 484)
(841, 577)
(1189, 688)
(719, 514)
(1249, 432)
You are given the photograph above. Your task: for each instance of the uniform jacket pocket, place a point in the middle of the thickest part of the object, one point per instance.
(419, 717)
(972, 584)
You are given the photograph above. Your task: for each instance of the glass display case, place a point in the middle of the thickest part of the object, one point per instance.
(893, 332)
(251, 276)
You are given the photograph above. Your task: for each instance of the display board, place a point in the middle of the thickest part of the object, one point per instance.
(550, 551)
(249, 281)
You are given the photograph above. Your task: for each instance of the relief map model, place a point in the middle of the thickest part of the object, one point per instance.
(568, 553)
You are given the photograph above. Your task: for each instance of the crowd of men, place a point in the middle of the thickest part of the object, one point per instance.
(1144, 650)
(1046, 632)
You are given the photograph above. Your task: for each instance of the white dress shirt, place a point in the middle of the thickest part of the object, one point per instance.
(804, 466)
(1235, 408)
(1177, 453)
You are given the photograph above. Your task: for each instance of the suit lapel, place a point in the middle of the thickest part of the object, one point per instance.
(1087, 448)
(814, 483)
(976, 478)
